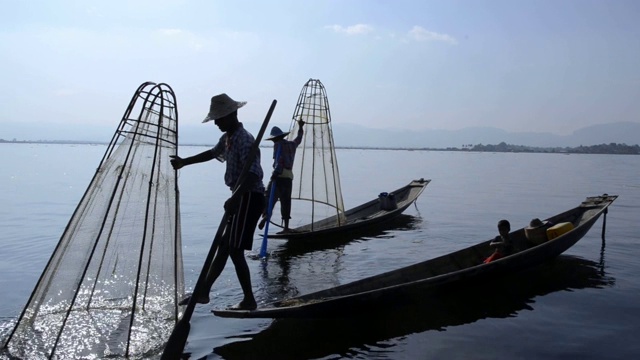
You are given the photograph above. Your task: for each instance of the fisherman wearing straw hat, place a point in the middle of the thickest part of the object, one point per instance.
(284, 153)
(245, 205)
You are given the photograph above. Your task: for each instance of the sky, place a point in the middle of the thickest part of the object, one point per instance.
(553, 66)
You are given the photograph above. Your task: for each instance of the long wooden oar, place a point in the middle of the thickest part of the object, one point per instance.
(175, 345)
(272, 192)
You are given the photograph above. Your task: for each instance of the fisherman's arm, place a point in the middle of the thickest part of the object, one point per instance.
(214, 153)
(178, 162)
(298, 138)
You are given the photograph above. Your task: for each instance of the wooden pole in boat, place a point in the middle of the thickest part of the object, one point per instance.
(604, 222)
(175, 345)
(272, 192)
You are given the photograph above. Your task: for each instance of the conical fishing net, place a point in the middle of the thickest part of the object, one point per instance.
(316, 197)
(111, 287)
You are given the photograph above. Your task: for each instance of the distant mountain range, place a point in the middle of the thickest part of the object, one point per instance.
(350, 135)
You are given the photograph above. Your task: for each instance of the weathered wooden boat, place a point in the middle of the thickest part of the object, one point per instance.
(441, 274)
(298, 338)
(367, 214)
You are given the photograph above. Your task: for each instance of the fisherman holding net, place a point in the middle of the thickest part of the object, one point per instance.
(284, 153)
(245, 205)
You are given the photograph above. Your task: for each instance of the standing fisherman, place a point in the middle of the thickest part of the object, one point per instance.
(245, 205)
(284, 153)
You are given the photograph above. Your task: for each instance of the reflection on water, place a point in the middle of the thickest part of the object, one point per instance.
(278, 275)
(297, 247)
(314, 338)
(105, 329)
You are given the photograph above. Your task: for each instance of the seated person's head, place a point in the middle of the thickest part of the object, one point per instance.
(504, 227)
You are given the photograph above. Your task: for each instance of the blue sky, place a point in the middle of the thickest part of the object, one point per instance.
(516, 65)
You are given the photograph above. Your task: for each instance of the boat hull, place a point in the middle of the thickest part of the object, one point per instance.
(360, 217)
(441, 274)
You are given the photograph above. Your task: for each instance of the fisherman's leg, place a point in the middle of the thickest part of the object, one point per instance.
(215, 269)
(217, 265)
(244, 277)
(243, 229)
(285, 188)
(269, 207)
(271, 187)
(278, 194)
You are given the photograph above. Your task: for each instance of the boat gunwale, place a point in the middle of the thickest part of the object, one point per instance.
(351, 225)
(308, 300)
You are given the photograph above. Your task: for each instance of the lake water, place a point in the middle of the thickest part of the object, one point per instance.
(583, 305)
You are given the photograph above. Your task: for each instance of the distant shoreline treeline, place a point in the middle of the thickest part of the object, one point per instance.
(611, 149)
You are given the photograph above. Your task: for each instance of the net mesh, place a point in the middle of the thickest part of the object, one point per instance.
(316, 197)
(110, 288)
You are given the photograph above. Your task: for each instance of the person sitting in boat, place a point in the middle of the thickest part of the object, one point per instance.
(284, 153)
(502, 243)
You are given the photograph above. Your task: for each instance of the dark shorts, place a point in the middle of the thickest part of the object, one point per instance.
(282, 193)
(242, 225)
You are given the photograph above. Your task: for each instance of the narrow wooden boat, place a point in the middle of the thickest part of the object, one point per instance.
(441, 274)
(367, 214)
(299, 338)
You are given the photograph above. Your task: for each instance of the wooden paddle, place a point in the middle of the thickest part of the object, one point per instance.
(272, 192)
(175, 345)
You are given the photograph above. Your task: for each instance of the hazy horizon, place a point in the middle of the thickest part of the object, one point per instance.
(350, 135)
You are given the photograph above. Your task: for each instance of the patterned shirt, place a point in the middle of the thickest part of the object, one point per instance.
(287, 153)
(234, 149)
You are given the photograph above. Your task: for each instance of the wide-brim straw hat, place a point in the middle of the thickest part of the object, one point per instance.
(221, 106)
(536, 223)
(277, 133)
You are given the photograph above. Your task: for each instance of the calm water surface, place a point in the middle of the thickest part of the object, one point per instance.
(583, 305)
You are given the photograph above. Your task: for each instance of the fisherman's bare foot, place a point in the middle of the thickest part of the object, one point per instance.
(199, 300)
(244, 305)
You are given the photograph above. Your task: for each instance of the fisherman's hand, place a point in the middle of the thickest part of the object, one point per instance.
(177, 162)
(232, 204)
(300, 122)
